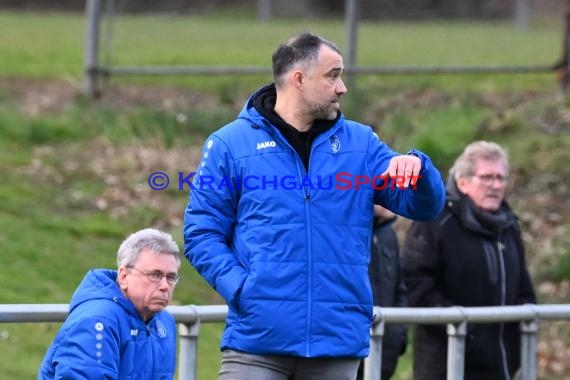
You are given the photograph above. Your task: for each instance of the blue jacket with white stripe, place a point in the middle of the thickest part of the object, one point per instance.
(288, 249)
(105, 338)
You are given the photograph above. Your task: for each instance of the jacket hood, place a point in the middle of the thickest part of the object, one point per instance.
(101, 284)
(250, 112)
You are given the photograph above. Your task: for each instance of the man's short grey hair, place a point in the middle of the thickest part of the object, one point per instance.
(464, 165)
(156, 241)
(299, 50)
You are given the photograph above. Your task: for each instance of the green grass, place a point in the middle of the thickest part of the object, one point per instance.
(52, 231)
(52, 45)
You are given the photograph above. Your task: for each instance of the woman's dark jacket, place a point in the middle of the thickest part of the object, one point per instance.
(467, 257)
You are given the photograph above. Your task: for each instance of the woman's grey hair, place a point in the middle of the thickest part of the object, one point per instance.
(156, 241)
(464, 165)
(299, 50)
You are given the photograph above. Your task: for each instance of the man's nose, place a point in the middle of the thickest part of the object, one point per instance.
(341, 88)
(163, 283)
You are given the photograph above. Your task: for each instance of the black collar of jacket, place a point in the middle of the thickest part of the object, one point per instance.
(264, 103)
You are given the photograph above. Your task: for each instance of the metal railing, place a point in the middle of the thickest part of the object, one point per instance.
(95, 71)
(190, 317)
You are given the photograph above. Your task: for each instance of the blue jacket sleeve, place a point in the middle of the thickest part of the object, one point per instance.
(209, 221)
(422, 202)
(89, 349)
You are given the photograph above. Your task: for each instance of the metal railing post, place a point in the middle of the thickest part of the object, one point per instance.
(188, 367)
(456, 350)
(373, 363)
(565, 70)
(529, 337)
(351, 22)
(92, 35)
(263, 10)
(522, 14)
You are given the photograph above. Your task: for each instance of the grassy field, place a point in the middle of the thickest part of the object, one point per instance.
(52, 45)
(74, 172)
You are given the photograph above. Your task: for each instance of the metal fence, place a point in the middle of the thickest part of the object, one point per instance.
(456, 318)
(94, 71)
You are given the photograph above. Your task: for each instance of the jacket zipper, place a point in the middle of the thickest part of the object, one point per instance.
(309, 261)
(500, 248)
(307, 196)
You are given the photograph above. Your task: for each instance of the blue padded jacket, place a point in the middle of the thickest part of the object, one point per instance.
(105, 338)
(288, 249)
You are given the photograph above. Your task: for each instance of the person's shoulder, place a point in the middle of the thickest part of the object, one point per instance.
(363, 134)
(238, 125)
(358, 127)
(88, 319)
(236, 132)
(357, 135)
(98, 309)
(242, 138)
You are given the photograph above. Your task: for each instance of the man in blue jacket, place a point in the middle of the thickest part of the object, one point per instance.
(279, 220)
(117, 327)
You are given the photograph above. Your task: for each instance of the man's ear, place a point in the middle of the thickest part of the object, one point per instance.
(297, 77)
(122, 277)
(462, 184)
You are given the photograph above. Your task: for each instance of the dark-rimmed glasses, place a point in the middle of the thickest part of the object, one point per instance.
(488, 179)
(156, 276)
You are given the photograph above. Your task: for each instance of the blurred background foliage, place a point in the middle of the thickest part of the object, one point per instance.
(74, 169)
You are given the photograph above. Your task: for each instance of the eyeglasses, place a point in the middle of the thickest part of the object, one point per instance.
(156, 276)
(488, 179)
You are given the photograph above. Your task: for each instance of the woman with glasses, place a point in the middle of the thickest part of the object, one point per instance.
(117, 326)
(471, 255)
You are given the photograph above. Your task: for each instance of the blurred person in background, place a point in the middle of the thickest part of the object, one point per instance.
(388, 287)
(117, 326)
(471, 255)
(291, 261)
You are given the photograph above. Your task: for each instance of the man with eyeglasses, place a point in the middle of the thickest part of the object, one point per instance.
(117, 326)
(471, 255)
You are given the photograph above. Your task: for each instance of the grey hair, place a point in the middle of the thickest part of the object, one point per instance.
(464, 165)
(298, 50)
(157, 241)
